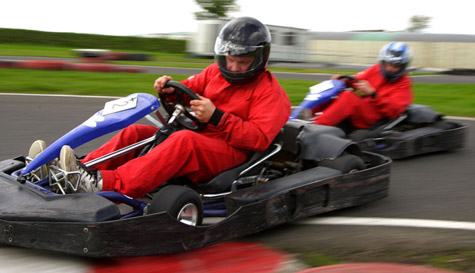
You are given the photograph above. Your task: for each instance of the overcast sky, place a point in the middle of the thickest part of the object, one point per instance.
(125, 17)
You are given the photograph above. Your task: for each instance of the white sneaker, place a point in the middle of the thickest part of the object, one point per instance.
(37, 148)
(67, 163)
(81, 178)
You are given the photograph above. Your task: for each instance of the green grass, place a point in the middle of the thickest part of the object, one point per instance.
(67, 52)
(74, 82)
(458, 260)
(463, 261)
(317, 259)
(156, 58)
(35, 51)
(450, 99)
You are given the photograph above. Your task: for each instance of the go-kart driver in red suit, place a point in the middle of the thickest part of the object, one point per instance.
(385, 89)
(242, 102)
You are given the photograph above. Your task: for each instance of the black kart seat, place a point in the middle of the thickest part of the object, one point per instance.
(418, 113)
(223, 181)
(414, 114)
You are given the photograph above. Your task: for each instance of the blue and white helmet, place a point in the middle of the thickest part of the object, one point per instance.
(395, 53)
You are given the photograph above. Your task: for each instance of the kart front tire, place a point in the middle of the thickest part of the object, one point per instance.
(179, 202)
(346, 163)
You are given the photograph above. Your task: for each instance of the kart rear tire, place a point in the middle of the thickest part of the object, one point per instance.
(179, 202)
(346, 163)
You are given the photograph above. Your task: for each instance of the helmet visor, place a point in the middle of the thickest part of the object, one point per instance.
(223, 48)
(396, 53)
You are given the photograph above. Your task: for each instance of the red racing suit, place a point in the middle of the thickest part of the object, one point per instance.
(254, 113)
(390, 100)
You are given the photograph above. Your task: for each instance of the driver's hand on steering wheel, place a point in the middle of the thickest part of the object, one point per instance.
(203, 108)
(365, 87)
(160, 83)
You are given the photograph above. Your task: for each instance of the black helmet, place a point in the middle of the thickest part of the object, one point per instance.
(244, 36)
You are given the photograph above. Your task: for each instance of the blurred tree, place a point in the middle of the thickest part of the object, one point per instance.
(215, 8)
(417, 23)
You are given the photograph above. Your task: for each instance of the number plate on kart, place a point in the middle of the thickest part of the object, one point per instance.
(120, 105)
(318, 88)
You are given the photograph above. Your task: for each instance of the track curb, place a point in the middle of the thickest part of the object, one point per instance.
(72, 66)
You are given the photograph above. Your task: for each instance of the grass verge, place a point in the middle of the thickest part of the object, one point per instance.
(457, 260)
(450, 99)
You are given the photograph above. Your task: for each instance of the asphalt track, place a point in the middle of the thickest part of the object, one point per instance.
(430, 206)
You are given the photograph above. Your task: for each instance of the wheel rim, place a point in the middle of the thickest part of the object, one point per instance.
(188, 214)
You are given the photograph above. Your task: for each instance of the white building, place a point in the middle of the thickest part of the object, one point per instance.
(288, 44)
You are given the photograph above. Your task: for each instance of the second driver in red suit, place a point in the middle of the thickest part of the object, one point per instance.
(385, 92)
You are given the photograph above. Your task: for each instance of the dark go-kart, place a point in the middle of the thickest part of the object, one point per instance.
(308, 170)
(419, 130)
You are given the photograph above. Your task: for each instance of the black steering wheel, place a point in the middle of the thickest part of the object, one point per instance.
(188, 121)
(346, 77)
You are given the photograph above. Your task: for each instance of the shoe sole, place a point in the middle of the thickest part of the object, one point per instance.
(68, 163)
(37, 148)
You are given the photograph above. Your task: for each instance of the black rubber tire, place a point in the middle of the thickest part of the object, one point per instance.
(345, 164)
(173, 199)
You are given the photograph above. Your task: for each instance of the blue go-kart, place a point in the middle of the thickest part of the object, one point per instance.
(307, 170)
(419, 130)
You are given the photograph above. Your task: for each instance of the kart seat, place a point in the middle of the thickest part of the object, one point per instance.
(422, 114)
(223, 181)
(414, 114)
